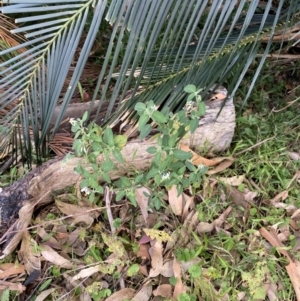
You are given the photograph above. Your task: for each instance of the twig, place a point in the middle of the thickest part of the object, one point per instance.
(107, 196)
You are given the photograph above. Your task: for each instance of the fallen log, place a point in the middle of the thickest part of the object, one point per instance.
(18, 201)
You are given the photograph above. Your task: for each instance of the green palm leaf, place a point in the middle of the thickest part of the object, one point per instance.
(161, 45)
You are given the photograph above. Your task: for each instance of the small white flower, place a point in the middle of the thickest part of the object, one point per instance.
(165, 176)
(189, 105)
(153, 108)
(86, 190)
(200, 166)
(73, 121)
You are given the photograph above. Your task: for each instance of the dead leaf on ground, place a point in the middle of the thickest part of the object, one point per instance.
(199, 160)
(11, 269)
(233, 181)
(71, 209)
(144, 293)
(236, 197)
(52, 256)
(224, 164)
(125, 293)
(293, 268)
(179, 286)
(175, 200)
(156, 253)
(32, 261)
(294, 156)
(163, 290)
(143, 251)
(142, 200)
(44, 294)
(12, 286)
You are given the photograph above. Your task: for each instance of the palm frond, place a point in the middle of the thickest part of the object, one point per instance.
(34, 79)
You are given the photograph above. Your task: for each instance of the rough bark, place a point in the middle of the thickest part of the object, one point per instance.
(18, 201)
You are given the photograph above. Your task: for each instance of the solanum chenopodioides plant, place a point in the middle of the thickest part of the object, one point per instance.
(90, 142)
(170, 165)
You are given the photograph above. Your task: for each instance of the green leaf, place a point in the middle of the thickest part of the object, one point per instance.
(93, 183)
(120, 195)
(145, 131)
(182, 155)
(105, 178)
(195, 271)
(85, 116)
(132, 199)
(152, 150)
(190, 88)
(96, 146)
(108, 137)
(152, 172)
(143, 120)
(158, 117)
(133, 270)
(194, 123)
(96, 138)
(190, 166)
(140, 107)
(172, 141)
(92, 158)
(118, 156)
(201, 108)
(117, 223)
(107, 166)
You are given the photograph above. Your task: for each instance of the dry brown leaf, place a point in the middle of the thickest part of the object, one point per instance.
(142, 201)
(198, 160)
(250, 195)
(44, 294)
(84, 219)
(156, 253)
(293, 268)
(125, 293)
(175, 201)
(204, 227)
(11, 269)
(294, 156)
(71, 209)
(186, 264)
(53, 257)
(221, 219)
(31, 261)
(144, 270)
(179, 287)
(143, 251)
(167, 269)
(86, 273)
(233, 181)
(236, 197)
(164, 290)
(224, 164)
(188, 203)
(50, 239)
(296, 215)
(12, 286)
(272, 291)
(280, 196)
(144, 293)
